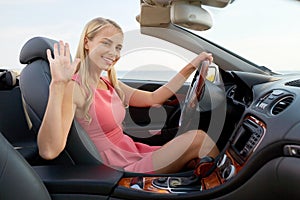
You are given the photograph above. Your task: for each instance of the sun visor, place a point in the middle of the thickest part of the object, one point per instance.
(156, 16)
(190, 15)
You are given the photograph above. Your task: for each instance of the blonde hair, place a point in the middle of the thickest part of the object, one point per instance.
(89, 32)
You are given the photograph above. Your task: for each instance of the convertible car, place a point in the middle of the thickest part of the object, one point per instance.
(251, 112)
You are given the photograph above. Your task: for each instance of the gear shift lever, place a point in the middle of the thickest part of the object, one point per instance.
(190, 183)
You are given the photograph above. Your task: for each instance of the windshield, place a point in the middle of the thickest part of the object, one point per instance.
(265, 32)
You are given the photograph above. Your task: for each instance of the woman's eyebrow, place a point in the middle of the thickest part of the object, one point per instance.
(109, 40)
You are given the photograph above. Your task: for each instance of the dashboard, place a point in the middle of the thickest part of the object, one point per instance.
(273, 100)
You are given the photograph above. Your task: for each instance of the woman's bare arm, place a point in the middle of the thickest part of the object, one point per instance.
(140, 98)
(60, 109)
(53, 133)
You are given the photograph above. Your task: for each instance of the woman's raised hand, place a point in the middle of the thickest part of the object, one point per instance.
(61, 66)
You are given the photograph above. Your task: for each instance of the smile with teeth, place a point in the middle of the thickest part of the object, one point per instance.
(109, 61)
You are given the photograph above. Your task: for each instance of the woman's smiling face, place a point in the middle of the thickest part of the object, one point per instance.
(104, 49)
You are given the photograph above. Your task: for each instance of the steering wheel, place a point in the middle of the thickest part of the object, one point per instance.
(194, 94)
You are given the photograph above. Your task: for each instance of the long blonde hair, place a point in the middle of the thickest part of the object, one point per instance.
(89, 32)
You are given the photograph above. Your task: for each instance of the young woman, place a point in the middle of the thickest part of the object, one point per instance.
(79, 90)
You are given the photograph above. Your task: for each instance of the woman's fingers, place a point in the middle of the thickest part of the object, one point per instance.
(67, 50)
(55, 50)
(207, 56)
(61, 52)
(196, 62)
(49, 56)
(61, 48)
(61, 66)
(210, 58)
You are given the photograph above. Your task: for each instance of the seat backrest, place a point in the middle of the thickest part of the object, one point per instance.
(17, 179)
(34, 84)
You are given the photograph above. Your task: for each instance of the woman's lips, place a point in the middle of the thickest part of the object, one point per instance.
(108, 61)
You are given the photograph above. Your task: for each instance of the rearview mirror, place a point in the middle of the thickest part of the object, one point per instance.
(190, 15)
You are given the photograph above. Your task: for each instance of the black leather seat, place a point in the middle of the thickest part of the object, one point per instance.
(34, 84)
(17, 179)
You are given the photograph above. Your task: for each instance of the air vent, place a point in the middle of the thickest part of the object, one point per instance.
(281, 105)
(295, 83)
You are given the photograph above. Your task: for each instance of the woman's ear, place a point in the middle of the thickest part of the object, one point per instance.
(86, 44)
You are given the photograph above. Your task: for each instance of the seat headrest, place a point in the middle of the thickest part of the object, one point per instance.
(35, 49)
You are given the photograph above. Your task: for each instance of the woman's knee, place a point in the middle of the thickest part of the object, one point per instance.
(203, 144)
(197, 135)
(208, 146)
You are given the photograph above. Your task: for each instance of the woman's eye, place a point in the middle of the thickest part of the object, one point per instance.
(106, 43)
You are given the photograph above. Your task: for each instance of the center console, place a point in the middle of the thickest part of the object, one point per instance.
(209, 173)
(79, 181)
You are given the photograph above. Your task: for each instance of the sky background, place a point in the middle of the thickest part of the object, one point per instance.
(20, 20)
(279, 31)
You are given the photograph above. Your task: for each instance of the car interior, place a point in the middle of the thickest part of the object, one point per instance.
(251, 113)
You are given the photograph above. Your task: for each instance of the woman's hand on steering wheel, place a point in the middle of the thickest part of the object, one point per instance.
(196, 62)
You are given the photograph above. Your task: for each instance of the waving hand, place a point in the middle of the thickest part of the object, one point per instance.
(61, 66)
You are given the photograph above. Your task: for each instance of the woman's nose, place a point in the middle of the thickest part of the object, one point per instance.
(113, 52)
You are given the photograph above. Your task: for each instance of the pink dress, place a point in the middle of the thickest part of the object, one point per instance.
(105, 130)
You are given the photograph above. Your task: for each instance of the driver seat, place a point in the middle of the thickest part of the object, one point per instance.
(34, 84)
